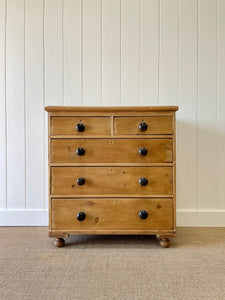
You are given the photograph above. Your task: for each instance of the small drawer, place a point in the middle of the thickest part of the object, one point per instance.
(112, 214)
(111, 180)
(143, 125)
(80, 126)
(137, 150)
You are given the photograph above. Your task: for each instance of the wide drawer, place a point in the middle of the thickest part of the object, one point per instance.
(111, 150)
(143, 125)
(111, 180)
(80, 126)
(112, 214)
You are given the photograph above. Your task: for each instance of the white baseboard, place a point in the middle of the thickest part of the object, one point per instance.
(184, 218)
(201, 218)
(35, 217)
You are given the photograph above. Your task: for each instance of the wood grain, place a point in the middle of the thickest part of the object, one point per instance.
(111, 150)
(111, 180)
(112, 214)
(156, 125)
(131, 109)
(67, 125)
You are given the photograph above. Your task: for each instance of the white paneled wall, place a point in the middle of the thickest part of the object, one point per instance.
(112, 52)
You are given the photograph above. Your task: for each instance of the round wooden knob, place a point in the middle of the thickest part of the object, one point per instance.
(143, 181)
(143, 126)
(80, 127)
(80, 181)
(143, 151)
(143, 214)
(81, 216)
(80, 151)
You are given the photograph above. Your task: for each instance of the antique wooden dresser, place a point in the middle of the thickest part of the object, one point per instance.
(112, 170)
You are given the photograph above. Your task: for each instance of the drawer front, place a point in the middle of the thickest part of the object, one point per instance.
(112, 150)
(112, 214)
(111, 180)
(80, 126)
(143, 125)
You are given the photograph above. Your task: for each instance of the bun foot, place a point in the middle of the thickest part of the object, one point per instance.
(59, 242)
(164, 242)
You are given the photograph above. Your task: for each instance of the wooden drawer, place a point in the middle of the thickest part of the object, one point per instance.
(111, 150)
(112, 214)
(111, 180)
(92, 125)
(155, 125)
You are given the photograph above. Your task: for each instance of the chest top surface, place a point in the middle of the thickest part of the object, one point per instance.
(111, 108)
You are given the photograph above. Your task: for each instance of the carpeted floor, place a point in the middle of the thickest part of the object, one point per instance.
(112, 267)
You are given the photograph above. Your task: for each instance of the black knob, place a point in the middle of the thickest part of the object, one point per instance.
(143, 214)
(143, 181)
(143, 126)
(80, 181)
(80, 151)
(81, 216)
(80, 127)
(143, 151)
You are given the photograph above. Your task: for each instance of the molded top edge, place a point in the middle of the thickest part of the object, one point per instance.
(110, 108)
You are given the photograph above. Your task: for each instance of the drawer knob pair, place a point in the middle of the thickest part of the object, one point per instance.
(143, 181)
(80, 127)
(81, 151)
(143, 126)
(143, 214)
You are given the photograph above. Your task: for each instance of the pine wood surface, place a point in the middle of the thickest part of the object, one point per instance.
(105, 213)
(130, 125)
(112, 180)
(112, 166)
(67, 125)
(111, 108)
(112, 150)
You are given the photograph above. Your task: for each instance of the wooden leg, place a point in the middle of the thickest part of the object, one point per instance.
(59, 242)
(164, 242)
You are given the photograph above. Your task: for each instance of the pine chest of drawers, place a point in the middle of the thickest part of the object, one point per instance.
(112, 170)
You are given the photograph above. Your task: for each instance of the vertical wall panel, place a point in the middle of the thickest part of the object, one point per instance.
(53, 65)
(111, 52)
(15, 105)
(92, 39)
(187, 100)
(149, 38)
(72, 55)
(207, 108)
(168, 52)
(221, 107)
(2, 106)
(34, 104)
(53, 52)
(130, 55)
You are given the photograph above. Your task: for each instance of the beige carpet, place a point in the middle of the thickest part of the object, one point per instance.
(112, 267)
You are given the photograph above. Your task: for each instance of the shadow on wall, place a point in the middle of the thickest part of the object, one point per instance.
(200, 165)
